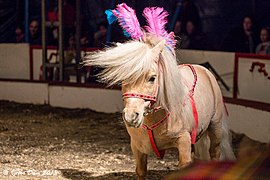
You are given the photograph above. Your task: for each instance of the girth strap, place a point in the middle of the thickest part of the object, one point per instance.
(193, 133)
(195, 115)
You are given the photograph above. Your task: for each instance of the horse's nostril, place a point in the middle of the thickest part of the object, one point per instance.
(130, 116)
(136, 115)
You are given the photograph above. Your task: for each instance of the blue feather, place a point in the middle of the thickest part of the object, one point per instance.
(110, 16)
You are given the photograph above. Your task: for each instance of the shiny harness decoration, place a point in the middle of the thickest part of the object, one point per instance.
(152, 98)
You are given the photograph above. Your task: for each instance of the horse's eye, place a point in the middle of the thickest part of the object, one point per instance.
(152, 79)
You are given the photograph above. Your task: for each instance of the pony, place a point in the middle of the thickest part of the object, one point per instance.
(166, 105)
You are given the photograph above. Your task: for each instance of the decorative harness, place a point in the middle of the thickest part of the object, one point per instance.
(152, 99)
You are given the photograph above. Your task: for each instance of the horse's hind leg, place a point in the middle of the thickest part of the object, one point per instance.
(215, 135)
(141, 162)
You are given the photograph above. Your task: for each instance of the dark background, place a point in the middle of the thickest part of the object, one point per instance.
(218, 16)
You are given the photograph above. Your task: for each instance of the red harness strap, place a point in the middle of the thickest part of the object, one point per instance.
(193, 105)
(159, 153)
(195, 115)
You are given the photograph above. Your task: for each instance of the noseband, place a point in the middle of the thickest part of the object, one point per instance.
(140, 96)
(146, 97)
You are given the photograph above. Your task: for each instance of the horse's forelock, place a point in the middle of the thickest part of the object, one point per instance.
(127, 62)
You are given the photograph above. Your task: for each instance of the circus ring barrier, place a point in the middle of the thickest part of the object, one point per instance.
(247, 101)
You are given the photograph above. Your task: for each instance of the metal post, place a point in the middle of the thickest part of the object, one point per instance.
(60, 40)
(78, 36)
(175, 16)
(26, 22)
(44, 49)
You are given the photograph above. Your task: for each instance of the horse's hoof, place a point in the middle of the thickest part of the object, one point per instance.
(141, 177)
(184, 164)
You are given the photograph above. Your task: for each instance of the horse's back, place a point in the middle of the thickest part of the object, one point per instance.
(206, 88)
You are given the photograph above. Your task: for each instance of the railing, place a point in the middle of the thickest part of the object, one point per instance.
(33, 47)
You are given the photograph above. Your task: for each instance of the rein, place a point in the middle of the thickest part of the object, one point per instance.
(152, 98)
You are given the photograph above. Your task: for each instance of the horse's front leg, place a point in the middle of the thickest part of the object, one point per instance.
(184, 149)
(141, 162)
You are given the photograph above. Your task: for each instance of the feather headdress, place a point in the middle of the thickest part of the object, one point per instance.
(127, 19)
(156, 18)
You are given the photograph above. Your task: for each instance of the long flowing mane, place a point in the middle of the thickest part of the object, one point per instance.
(125, 62)
(131, 61)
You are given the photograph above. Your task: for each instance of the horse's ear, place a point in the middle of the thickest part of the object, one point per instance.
(119, 44)
(158, 49)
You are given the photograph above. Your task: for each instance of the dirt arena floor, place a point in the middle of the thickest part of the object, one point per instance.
(42, 142)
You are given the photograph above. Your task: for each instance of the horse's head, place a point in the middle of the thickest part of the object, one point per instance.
(139, 96)
(140, 68)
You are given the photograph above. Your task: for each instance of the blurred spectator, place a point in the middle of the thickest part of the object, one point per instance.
(70, 55)
(52, 35)
(197, 39)
(71, 51)
(242, 39)
(189, 12)
(69, 16)
(19, 34)
(34, 33)
(264, 46)
(182, 38)
(100, 35)
(85, 39)
(52, 17)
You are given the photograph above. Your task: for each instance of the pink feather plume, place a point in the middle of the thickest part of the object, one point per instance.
(128, 20)
(156, 18)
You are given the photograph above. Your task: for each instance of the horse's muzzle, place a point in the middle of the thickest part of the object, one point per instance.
(131, 117)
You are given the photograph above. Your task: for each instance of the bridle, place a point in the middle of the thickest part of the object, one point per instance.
(151, 109)
(146, 97)
(148, 110)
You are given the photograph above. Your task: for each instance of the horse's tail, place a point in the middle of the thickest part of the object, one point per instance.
(226, 141)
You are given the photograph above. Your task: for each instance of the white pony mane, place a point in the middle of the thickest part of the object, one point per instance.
(125, 62)
(131, 61)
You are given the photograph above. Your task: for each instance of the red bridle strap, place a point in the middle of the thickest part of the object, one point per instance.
(146, 97)
(141, 96)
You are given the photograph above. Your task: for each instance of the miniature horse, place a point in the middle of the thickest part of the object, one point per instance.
(165, 105)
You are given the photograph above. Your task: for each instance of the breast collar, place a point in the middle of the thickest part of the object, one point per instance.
(152, 109)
